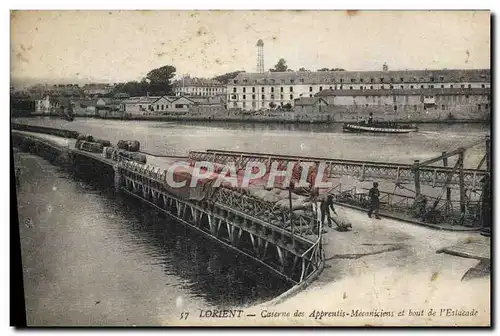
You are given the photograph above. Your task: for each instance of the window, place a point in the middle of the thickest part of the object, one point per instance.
(432, 79)
(157, 107)
(372, 80)
(462, 86)
(244, 104)
(391, 87)
(361, 80)
(341, 80)
(272, 96)
(262, 89)
(442, 107)
(301, 80)
(361, 87)
(402, 79)
(310, 89)
(486, 106)
(395, 108)
(469, 86)
(245, 81)
(179, 105)
(402, 86)
(415, 107)
(350, 87)
(352, 80)
(281, 89)
(140, 106)
(451, 86)
(291, 88)
(244, 89)
(235, 104)
(321, 88)
(292, 81)
(442, 86)
(291, 96)
(421, 86)
(331, 87)
(272, 90)
(381, 79)
(431, 86)
(282, 97)
(253, 97)
(253, 89)
(234, 90)
(441, 78)
(479, 107)
(482, 85)
(382, 87)
(162, 107)
(244, 96)
(392, 79)
(263, 97)
(310, 95)
(371, 87)
(235, 81)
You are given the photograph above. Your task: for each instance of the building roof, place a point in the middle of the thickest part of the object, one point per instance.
(405, 92)
(308, 101)
(141, 100)
(194, 81)
(362, 77)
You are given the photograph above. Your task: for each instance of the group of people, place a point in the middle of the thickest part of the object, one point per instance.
(326, 205)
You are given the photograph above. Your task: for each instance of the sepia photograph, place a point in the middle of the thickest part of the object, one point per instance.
(251, 168)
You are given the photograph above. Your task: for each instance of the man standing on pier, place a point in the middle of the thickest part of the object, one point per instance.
(326, 205)
(374, 195)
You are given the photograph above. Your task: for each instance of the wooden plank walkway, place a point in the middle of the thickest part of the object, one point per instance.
(479, 250)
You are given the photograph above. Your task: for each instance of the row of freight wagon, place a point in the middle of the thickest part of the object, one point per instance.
(124, 149)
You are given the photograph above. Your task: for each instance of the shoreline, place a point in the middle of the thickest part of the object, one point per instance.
(256, 121)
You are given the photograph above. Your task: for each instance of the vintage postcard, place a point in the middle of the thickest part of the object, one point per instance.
(252, 168)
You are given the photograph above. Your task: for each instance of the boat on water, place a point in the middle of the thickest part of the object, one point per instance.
(386, 127)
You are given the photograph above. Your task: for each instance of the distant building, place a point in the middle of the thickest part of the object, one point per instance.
(97, 89)
(198, 87)
(254, 91)
(156, 105)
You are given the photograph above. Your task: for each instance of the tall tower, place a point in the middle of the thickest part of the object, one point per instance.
(260, 56)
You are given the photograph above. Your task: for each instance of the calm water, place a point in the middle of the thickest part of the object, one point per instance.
(94, 258)
(309, 140)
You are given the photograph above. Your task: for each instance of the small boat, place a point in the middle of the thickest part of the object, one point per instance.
(378, 128)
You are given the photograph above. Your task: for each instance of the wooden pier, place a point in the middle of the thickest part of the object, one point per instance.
(291, 247)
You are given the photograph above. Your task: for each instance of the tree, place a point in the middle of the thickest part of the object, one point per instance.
(160, 80)
(337, 69)
(225, 78)
(288, 106)
(272, 105)
(303, 69)
(133, 88)
(280, 66)
(324, 69)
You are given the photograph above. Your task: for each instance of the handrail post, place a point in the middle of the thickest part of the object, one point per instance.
(462, 184)
(448, 190)
(417, 178)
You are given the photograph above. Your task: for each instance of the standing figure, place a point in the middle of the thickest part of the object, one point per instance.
(370, 118)
(374, 195)
(326, 205)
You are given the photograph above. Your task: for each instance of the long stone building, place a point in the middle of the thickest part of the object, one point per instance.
(255, 91)
(203, 87)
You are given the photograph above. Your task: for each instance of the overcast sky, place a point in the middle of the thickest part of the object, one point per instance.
(119, 46)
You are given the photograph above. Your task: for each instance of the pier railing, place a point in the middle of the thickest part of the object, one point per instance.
(448, 211)
(397, 172)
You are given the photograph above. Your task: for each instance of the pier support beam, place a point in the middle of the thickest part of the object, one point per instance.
(448, 190)
(117, 178)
